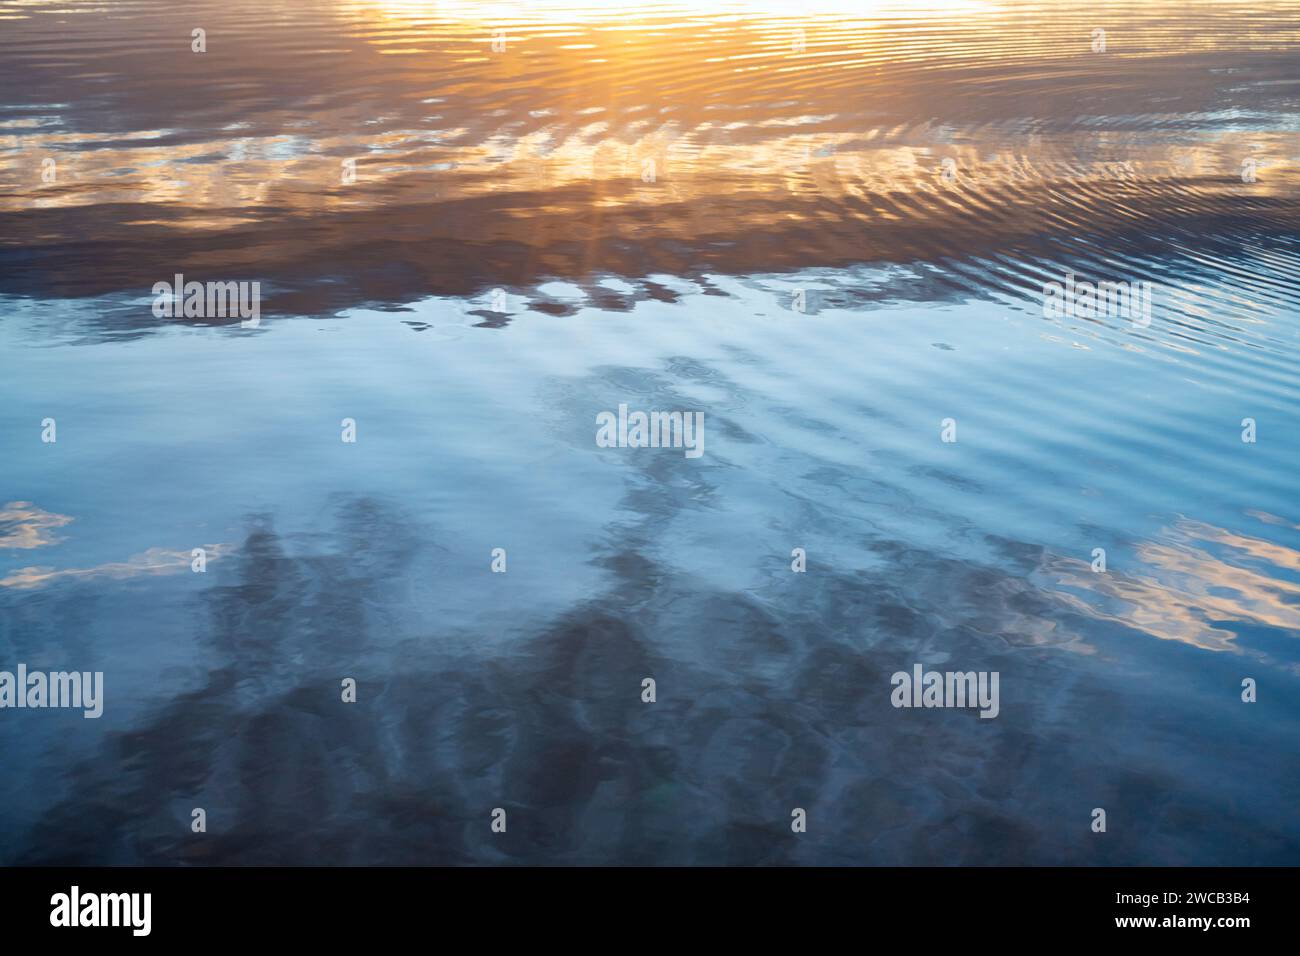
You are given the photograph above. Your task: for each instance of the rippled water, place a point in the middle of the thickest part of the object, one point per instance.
(825, 225)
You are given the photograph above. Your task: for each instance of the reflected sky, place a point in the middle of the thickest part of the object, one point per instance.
(649, 185)
(776, 141)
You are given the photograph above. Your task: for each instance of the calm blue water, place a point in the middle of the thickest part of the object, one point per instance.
(781, 173)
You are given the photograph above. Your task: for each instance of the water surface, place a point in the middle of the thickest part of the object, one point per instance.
(623, 203)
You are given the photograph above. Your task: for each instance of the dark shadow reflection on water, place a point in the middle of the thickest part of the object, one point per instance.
(783, 703)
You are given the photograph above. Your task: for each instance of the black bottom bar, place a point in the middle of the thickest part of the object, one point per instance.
(336, 905)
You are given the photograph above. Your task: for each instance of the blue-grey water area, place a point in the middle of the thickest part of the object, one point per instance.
(737, 209)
